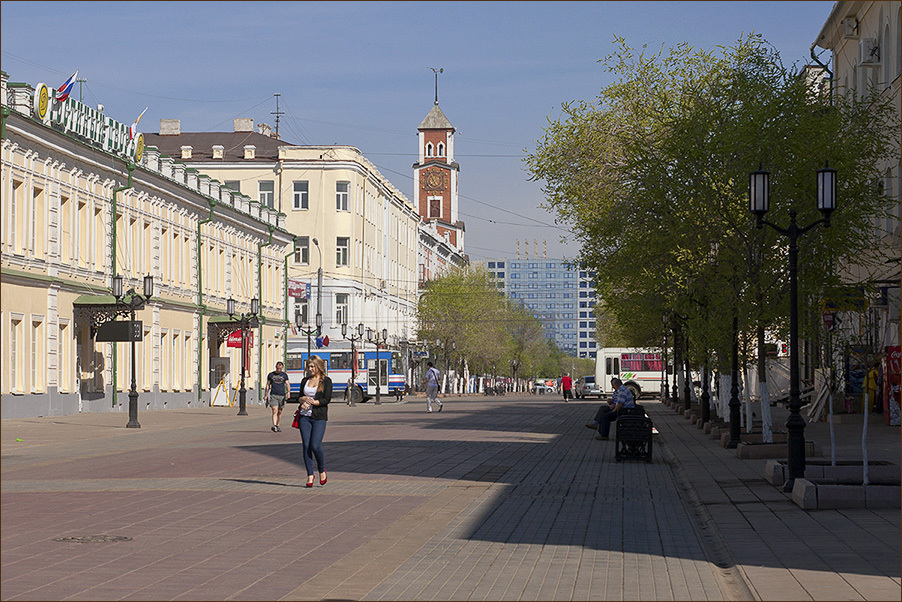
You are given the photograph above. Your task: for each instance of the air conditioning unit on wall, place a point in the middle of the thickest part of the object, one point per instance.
(850, 27)
(869, 52)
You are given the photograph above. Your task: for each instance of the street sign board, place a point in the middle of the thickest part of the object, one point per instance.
(116, 331)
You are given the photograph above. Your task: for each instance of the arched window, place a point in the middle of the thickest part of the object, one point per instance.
(441, 150)
(429, 150)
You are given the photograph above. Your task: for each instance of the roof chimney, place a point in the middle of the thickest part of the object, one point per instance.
(186, 151)
(218, 151)
(265, 129)
(170, 127)
(243, 124)
(250, 151)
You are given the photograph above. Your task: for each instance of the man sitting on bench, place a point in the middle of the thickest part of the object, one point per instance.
(622, 398)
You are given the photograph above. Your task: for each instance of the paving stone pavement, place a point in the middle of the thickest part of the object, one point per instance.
(499, 498)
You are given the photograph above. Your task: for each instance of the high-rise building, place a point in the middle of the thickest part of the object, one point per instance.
(558, 293)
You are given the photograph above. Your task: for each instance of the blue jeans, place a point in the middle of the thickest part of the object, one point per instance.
(312, 432)
(605, 416)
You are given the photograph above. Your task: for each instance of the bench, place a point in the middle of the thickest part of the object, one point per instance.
(634, 435)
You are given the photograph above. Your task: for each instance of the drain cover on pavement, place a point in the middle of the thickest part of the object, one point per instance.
(93, 538)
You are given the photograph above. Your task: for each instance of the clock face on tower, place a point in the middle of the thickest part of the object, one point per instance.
(434, 180)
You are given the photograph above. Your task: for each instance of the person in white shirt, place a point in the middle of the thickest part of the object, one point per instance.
(432, 380)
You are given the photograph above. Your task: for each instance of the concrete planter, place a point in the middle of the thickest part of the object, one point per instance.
(760, 451)
(811, 495)
(845, 472)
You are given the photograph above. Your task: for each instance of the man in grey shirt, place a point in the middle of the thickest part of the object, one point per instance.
(276, 393)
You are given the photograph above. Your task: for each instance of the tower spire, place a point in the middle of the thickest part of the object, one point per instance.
(437, 71)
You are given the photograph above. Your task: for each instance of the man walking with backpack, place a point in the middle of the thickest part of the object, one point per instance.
(432, 380)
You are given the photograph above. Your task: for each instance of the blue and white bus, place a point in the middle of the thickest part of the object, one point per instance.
(338, 364)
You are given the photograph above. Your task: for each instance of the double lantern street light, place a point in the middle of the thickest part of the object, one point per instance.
(308, 332)
(759, 203)
(373, 337)
(247, 321)
(135, 301)
(352, 384)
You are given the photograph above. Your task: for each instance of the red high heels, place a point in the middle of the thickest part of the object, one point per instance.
(323, 479)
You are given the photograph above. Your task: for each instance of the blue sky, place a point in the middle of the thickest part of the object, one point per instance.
(360, 74)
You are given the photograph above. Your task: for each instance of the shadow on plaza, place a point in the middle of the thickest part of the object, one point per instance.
(556, 487)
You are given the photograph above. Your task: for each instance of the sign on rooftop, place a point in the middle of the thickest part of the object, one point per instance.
(74, 118)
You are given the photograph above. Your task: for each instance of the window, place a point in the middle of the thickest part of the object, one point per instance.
(441, 150)
(500, 264)
(234, 185)
(37, 354)
(429, 150)
(302, 251)
(342, 249)
(341, 195)
(341, 308)
(491, 264)
(435, 206)
(14, 354)
(500, 274)
(300, 195)
(266, 191)
(300, 308)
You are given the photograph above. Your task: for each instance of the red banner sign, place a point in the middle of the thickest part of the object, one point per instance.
(298, 289)
(234, 339)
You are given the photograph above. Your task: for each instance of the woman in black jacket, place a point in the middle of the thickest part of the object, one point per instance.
(316, 393)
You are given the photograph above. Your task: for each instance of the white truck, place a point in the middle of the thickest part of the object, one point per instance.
(641, 370)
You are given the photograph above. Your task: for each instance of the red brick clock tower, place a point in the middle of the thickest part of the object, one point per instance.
(436, 175)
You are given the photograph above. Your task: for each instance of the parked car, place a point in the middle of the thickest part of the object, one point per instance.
(545, 385)
(587, 387)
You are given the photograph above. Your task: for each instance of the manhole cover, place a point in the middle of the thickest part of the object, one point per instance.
(93, 538)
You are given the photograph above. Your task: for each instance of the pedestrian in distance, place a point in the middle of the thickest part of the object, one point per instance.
(606, 414)
(316, 393)
(567, 386)
(276, 394)
(431, 386)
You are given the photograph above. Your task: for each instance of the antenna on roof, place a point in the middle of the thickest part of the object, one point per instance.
(277, 112)
(440, 70)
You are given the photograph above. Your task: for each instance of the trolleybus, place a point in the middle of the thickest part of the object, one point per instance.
(339, 364)
(641, 370)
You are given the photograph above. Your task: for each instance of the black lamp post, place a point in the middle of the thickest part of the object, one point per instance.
(665, 389)
(135, 301)
(759, 204)
(247, 321)
(299, 322)
(735, 405)
(352, 384)
(373, 337)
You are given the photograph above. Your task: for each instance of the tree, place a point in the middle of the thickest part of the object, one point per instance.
(654, 175)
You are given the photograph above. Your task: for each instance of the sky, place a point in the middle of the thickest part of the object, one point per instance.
(361, 74)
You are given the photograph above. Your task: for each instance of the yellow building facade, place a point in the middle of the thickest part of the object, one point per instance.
(82, 203)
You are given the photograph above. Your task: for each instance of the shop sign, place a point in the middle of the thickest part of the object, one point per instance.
(78, 119)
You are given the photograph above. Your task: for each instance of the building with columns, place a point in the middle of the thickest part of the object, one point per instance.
(349, 220)
(82, 201)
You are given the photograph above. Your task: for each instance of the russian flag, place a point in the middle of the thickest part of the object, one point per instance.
(134, 127)
(63, 92)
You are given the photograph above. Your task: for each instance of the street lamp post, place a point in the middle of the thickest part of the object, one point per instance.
(352, 384)
(373, 337)
(759, 204)
(665, 389)
(247, 321)
(135, 301)
(299, 322)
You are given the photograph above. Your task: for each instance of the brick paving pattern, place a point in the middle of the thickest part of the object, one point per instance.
(505, 498)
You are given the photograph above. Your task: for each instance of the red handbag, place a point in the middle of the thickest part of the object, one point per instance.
(297, 418)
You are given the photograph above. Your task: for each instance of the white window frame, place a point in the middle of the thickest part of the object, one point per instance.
(429, 205)
(342, 250)
(341, 196)
(341, 308)
(267, 198)
(302, 251)
(300, 198)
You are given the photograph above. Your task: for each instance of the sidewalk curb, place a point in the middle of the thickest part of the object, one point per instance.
(731, 575)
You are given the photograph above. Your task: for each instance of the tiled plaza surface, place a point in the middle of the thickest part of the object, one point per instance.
(495, 498)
